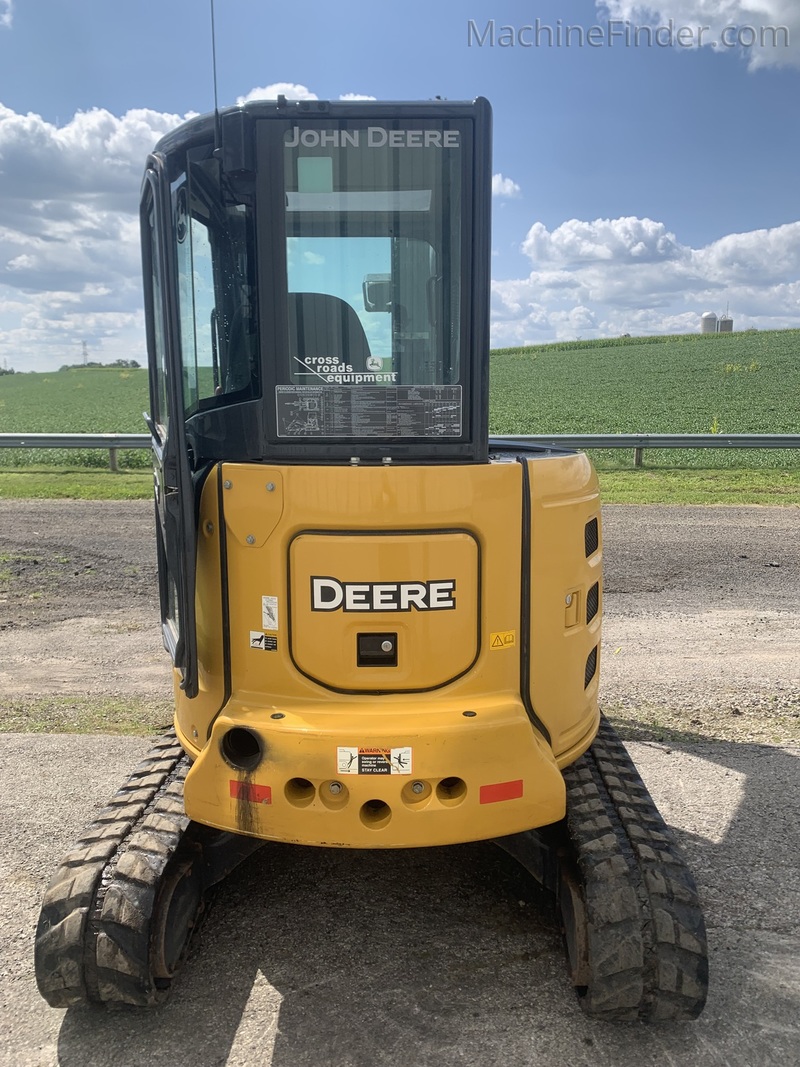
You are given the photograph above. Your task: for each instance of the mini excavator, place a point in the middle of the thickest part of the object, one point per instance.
(384, 624)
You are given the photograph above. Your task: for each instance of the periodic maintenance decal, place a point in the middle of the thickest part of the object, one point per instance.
(351, 760)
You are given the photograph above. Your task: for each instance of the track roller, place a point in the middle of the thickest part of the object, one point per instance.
(118, 915)
(633, 927)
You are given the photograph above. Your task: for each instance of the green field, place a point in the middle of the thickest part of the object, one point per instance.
(726, 383)
(78, 400)
(735, 383)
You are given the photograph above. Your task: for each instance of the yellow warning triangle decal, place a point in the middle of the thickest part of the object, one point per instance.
(498, 641)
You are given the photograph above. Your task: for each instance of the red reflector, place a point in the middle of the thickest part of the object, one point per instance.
(490, 794)
(256, 794)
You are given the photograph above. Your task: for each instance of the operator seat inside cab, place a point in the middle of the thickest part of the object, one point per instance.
(322, 326)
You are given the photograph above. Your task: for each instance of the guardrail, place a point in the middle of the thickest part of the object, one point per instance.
(640, 441)
(112, 441)
(637, 441)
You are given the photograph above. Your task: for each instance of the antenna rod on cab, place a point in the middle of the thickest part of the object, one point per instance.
(217, 129)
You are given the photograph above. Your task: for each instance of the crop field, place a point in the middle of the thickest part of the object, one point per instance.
(714, 383)
(78, 400)
(734, 383)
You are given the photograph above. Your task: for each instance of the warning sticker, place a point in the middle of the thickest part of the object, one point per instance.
(269, 612)
(503, 639)
(373, 760)
(266, 642)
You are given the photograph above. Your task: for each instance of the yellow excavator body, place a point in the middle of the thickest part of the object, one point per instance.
(327, 739)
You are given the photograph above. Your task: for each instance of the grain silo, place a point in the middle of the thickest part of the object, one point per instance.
(726, 324)
(708, 323)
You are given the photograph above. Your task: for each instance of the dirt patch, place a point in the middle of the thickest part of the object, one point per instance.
(67, 559)
(79, 601)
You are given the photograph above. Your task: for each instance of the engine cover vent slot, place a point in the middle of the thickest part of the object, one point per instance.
(591, 667)
(591, 537)
(592, 602)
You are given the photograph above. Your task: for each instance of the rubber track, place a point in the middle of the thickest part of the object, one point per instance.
(647, 940)
(92, 941)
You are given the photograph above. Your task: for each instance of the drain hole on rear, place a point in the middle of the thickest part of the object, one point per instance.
(375, 814)
(451, 790)
(299, 791)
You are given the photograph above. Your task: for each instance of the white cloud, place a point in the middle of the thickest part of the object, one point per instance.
(628, 239)
(630, 275)
(69, 244)
(290, 90)
(743, 23)
(6, 13)
(769, 255)
(504, 186)
(95, 159)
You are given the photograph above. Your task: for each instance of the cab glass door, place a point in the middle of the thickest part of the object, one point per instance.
(173, 482)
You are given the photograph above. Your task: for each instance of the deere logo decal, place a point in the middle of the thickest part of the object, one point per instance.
(329, 594)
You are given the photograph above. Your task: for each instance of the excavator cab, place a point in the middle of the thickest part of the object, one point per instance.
(315, 279)
(384, 626)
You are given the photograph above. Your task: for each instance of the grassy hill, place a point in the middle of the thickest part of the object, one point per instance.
(729, 383)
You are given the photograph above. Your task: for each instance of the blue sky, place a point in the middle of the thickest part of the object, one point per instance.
(636, 186)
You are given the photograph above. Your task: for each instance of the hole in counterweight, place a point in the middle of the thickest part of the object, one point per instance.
(375, 814)
(299, 791)
(242, 749)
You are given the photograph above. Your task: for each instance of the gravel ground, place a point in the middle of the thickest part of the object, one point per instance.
(702, 623)
(79, 591)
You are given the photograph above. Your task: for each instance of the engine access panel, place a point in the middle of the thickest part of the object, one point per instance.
(384, 612)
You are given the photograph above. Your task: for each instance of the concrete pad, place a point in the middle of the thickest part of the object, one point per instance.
(314, 957)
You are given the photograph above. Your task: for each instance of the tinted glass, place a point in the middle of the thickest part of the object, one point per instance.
(374, 279)
(216, 282)
(154, 296)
